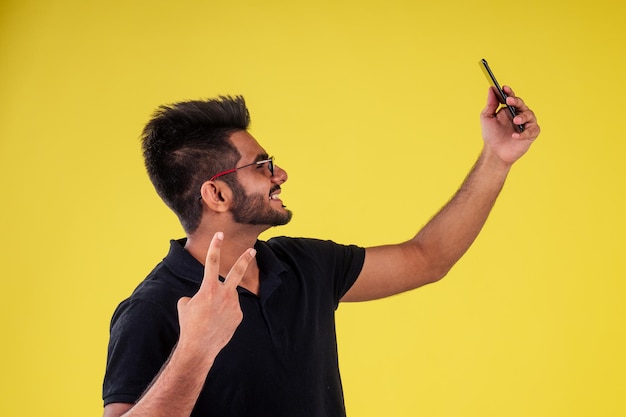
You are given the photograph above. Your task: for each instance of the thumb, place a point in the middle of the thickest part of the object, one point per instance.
(182, 303)
(492, 103)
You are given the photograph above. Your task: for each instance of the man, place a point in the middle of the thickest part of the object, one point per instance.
(229, 325)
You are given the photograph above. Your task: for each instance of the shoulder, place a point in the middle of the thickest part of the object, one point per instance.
(153, 302)
(146, 323)
(177, 275)
(162, 287)
(322, 264)
(309, 247)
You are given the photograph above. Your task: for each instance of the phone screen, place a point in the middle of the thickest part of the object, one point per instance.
(492, 79)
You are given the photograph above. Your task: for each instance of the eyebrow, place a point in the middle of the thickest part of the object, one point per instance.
(261, 157)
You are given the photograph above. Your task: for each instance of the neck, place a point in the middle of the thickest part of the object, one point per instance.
(236, 242)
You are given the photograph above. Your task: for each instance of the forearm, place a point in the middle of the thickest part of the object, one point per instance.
(175, 390)
(450, 233)
(427, 257)
(207, 321)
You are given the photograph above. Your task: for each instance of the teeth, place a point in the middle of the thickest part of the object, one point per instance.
(274, 197)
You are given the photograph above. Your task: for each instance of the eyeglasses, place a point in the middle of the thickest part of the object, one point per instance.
(270, 166)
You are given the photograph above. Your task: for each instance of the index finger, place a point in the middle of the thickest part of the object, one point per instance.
(212, 262)
(508, 90)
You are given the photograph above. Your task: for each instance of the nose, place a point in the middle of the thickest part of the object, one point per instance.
(280, 175)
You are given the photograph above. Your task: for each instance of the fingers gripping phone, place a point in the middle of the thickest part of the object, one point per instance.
(492, 79)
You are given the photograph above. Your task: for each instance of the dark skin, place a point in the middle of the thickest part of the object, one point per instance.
(224, 247)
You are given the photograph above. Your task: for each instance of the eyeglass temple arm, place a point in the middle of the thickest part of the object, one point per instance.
(223, 173)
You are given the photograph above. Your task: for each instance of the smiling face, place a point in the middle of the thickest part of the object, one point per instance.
(256, 198)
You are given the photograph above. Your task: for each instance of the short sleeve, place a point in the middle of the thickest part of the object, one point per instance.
(347, 263)
(337, 265)
(141, 340)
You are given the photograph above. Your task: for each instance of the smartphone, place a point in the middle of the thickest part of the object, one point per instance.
(492, 79)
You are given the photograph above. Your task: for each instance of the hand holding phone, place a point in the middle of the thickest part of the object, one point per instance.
(492, 79)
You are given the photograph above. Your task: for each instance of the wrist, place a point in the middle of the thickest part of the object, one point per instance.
(492, 161)
(191, 356)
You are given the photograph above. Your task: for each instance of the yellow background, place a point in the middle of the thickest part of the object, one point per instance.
(372, 107)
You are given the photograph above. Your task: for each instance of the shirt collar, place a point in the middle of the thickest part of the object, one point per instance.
(185, 266)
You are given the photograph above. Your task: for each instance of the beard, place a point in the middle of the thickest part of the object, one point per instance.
(255, 209)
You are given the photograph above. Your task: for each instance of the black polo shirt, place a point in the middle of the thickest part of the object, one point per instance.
(282, 359)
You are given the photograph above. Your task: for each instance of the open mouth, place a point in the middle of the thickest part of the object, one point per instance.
(275, 194)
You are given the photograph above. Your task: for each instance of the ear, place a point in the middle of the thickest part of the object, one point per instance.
(216, 195)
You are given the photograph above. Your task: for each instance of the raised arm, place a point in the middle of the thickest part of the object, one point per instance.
(208, 321)
(446, 237)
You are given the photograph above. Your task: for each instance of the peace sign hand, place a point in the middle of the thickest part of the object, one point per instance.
(209, 319)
